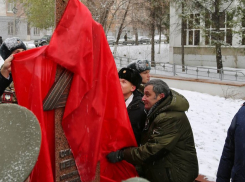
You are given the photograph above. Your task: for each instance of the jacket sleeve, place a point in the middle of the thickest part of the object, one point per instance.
(4, 83)
(137, 118)
(227, 157)
(163, 139)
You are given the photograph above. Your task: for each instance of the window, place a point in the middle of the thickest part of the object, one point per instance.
(225, 28)
(243, 37)
(10, 7)
(196, 37)
(36, 31)
(10, 28)
(190, 37)
(192, 30)
(229, 20)
(229, 36)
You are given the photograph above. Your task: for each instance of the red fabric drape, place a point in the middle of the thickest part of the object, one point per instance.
(95, 120)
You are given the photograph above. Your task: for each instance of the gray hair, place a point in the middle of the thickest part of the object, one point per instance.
(159, 87)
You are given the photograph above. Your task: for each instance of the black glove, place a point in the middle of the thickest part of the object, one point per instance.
(114, 157)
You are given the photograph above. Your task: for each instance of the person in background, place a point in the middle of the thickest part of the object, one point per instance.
(168, 150)
(232, 162)
(144, 68)
(130, 81)
(1, 40)
(8, 48)
(125, 37)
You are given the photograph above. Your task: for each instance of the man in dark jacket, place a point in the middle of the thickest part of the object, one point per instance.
(143, 67)
(232, 162)
(168, 150)
(130, 81)
(9, 47)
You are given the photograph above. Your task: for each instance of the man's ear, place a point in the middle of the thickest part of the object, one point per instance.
(162, 95)
(133, 88)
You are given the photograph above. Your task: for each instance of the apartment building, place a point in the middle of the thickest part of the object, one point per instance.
(14, 24)
(198, 47)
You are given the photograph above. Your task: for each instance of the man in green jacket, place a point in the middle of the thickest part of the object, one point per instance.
(167, 153)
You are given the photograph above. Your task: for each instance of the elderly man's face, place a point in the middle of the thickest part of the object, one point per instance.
(150, 97)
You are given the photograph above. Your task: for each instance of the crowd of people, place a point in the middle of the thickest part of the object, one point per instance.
(166, 148)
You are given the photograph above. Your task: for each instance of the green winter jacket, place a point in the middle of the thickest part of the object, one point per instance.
(168, 151)
(141, 89)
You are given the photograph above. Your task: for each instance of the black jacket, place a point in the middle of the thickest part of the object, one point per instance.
(232, 162)
(137, 115)
(4, 83)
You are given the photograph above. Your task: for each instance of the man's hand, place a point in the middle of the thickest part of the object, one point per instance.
(6, 69)
(114, 157)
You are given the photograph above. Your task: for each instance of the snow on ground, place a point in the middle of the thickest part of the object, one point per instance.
(143, 52)
(210, 118)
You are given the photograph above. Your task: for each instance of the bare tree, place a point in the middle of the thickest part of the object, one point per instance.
(115, 11)
(162, 18)
(121, 26)
(153, 27)
(100, 10)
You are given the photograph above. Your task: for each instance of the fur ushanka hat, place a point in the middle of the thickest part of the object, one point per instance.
(140, 65)
(131, 75)
(9, 45)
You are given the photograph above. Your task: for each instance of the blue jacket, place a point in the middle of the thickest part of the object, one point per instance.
(232, 162)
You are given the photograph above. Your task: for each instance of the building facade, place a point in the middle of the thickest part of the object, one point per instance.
(199, 49)
(14, 24)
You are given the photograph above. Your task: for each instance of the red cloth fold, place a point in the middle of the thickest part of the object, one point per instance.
(95, 121)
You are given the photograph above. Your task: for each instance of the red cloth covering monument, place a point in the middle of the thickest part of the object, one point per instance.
(95, 120)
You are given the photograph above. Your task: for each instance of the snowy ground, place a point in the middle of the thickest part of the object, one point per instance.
(143, 52)
(210, 118)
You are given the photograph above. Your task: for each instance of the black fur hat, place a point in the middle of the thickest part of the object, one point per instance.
(9, 45)
(130, 75)
(140, 65)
